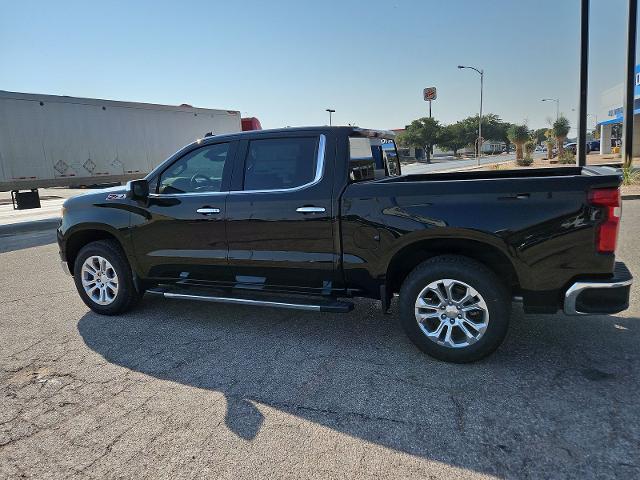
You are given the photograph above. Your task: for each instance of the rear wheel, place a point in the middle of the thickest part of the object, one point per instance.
(454, 308)
(103, 278)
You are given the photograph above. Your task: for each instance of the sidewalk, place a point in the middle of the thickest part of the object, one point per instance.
(20, 221)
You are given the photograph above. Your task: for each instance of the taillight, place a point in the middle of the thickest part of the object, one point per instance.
(607, 231)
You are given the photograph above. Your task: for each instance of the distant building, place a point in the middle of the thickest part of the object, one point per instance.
(611, 113)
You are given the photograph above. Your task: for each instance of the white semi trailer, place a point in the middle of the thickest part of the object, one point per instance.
(48, 141)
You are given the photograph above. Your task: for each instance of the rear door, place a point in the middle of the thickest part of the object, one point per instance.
(280, 218)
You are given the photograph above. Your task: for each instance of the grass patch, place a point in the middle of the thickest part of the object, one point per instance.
(630, 176)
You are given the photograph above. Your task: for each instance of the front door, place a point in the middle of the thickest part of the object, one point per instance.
(280, 221)
(180, 235)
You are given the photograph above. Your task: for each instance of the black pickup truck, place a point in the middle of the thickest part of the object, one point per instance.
(305, 218)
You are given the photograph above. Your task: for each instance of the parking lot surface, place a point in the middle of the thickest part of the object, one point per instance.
(190, 390)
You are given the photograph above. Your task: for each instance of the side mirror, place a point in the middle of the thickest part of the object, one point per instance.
(138, 189)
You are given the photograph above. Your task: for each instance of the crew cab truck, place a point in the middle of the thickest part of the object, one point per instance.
(305, 218)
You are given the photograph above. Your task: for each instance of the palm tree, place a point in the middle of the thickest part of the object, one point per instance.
(518, 135)
(551, 141)
(560, 130)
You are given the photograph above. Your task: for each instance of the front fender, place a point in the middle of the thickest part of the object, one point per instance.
(95, 221)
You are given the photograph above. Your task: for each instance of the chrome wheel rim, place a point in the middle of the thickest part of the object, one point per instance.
(451, 313)
(99, 280)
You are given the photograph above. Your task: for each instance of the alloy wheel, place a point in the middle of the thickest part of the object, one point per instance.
(99, 279)
(451, 313)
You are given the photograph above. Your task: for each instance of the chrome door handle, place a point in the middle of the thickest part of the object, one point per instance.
(208, 211)
(310, 210)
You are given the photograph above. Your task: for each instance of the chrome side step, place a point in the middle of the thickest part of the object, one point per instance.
(333, 306)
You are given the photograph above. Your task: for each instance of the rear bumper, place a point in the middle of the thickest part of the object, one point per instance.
(600, 296)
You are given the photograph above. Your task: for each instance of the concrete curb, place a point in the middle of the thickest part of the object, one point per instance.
(29, 226)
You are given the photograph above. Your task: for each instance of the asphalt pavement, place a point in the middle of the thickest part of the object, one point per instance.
(194, 390)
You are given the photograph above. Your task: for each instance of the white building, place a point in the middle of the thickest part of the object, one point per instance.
(610, 114)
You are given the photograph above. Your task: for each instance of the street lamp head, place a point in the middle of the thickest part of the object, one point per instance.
(461, 66)
(330, 110)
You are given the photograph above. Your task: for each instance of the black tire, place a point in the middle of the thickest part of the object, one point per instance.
(127, 296)
(486, 283)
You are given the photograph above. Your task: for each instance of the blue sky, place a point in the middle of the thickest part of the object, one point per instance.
(286, 61)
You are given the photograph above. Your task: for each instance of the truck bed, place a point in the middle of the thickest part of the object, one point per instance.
(540, 219)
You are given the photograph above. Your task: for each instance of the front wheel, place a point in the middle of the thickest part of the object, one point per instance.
(103, 278)
(454, 308)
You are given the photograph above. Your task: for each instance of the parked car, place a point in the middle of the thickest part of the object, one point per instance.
(573, 147)
(594, 145)
(305, 218)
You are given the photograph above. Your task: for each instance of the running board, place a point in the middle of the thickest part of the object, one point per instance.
(329, 306)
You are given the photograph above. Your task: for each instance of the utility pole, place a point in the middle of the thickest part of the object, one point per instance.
(629, 85)
(584, 77)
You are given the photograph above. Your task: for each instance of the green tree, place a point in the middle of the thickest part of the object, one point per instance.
(539, 136)
(502, 134)
(519, 135)
(560, 130)
(452, 137)
(469, 130)
(493, 128)
(421, 133)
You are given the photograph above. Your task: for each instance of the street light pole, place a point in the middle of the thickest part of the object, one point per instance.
(557, 100)
(480, 120)
(330, 112)
(481, 73)
(629, 85)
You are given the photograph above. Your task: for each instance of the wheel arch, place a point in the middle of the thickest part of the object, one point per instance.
(80, 237)
(410, 256)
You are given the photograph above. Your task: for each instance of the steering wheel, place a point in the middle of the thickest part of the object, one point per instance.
(194, 180)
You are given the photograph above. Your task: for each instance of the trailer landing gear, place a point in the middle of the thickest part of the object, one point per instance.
(25, 200)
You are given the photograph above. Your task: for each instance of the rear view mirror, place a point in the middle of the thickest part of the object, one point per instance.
(138, 189)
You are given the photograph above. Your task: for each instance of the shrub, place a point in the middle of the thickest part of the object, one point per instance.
(630, 176)
(525, 162)
(529, 148)
(566, 158)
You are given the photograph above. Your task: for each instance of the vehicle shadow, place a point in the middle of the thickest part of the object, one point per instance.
(20, 241)
(558, 394)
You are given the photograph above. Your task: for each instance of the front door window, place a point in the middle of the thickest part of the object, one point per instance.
(198, 171)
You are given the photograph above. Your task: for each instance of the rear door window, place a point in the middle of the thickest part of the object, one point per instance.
(280, 163)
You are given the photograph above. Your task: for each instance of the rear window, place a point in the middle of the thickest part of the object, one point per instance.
(372, 158)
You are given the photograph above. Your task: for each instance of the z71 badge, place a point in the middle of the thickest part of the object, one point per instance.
(116, 196)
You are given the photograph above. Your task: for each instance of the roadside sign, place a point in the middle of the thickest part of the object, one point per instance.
(429, 94)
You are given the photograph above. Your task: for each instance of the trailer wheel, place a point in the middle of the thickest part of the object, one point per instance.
(454, 308)
(103, 278)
